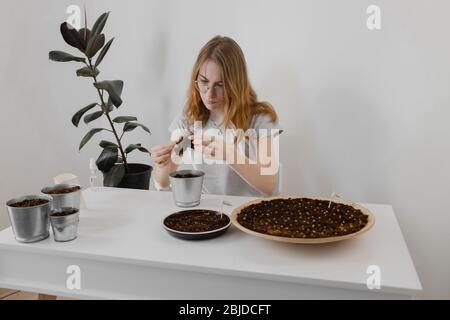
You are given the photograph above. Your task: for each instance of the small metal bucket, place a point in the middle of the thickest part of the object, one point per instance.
(65, 227)
(187, 191)
(64, 200)
(30, 224)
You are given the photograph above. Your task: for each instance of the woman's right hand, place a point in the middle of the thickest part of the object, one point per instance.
(161, 154)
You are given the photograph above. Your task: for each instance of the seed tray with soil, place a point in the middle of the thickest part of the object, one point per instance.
(302, 219)
(196, 224)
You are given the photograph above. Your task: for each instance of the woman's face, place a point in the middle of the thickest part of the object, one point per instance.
(210, 85)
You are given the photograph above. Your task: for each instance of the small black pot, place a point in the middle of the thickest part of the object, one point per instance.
(137, 177)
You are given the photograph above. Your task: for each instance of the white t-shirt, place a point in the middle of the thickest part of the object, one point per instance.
(220, 178)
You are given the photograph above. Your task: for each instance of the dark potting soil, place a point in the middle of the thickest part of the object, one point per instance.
(302, 218)
(179, 140)
(64, 190)
(63, 212)
(29, 203)
(196, 221)
(186, 175)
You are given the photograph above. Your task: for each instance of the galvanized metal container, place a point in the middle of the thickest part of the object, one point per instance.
(30, 224)
(187, 191)
(65, 227)
(64, 200)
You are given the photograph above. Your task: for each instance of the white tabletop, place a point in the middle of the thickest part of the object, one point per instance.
(124, 225)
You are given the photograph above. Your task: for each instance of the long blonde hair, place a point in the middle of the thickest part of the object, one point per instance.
(241, 102)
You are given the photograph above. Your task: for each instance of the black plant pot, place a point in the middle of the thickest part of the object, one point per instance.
(137, 177)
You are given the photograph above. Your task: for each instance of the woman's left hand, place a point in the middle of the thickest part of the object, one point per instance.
(214, 147)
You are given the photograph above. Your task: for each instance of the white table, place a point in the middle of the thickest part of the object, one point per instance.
(124, 253)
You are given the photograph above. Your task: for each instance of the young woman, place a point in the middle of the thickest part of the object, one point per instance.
(220, 98)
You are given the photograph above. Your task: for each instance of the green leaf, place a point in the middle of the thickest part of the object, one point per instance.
(103, 52)
(87, 72)
(100, 24)
(72, 37)
(133, 147)
(61, 56)
(77, 116)
(95, 43)
(113, 177)
(108, 144)
(81, 33)
(129, 126)
(114, 89)
(142, 149)
(92, 116)
(107, 159)
(88, 136)
(124, 119)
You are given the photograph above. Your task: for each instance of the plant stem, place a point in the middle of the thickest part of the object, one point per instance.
(109, 118)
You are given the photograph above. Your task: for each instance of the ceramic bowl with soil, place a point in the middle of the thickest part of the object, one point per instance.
(29, 217)
(64, 195)
(303, 219)
(196, 224)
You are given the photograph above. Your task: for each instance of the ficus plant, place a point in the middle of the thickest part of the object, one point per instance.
(91, 43)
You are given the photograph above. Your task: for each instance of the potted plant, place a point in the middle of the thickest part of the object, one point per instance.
(113, 160)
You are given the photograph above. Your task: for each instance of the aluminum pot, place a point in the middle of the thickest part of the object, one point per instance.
(64, 200)
(30, 224)
(64, 223)
(187, 187)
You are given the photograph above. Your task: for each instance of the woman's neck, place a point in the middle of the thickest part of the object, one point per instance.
(217, 116)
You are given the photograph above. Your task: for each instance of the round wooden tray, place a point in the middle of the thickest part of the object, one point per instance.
(369, 224)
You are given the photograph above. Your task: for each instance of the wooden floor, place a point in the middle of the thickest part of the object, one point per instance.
(6, 294)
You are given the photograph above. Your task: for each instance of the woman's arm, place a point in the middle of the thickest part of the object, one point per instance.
(262, 173)
(164, 165)
(161, 175)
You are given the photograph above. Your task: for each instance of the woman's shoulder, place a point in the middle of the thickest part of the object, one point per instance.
(264, 112)
(264, 120)
(265, 124)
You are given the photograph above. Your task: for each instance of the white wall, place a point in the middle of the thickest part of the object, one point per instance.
(366, 112)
